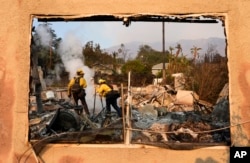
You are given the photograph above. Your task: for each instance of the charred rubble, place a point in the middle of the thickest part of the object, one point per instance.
(159, 115)
(182, 121)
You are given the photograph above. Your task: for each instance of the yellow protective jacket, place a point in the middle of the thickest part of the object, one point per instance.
(103, 89)
(82, 83)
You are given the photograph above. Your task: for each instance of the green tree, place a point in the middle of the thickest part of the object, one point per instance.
(44, 47)
(149, 56)
(141, 73)
(94, 55)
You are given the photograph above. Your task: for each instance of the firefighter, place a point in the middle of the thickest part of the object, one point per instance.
(111, 96)
(76, 87)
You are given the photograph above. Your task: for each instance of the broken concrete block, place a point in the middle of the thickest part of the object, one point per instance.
(185, 97)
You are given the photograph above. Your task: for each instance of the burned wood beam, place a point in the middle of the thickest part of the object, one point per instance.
(131, 18)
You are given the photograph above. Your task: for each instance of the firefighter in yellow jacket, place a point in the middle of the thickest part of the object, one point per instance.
(76, 87)
(106, 91)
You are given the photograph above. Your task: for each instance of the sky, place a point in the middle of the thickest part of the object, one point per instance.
(109, 34)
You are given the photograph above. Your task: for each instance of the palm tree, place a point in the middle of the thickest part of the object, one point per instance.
(114, 60)
(179, 49)
(194, 51)
(171, 50)
(123, 52)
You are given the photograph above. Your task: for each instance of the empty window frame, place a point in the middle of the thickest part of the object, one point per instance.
(160, 66)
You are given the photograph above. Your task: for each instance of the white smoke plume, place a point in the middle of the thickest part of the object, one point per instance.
(70, 50)
(45, 36)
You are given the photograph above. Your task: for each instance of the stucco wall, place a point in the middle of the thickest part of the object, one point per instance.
(15, 39)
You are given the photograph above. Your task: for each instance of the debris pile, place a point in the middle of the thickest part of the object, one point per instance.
(158, 115)
(173, 119)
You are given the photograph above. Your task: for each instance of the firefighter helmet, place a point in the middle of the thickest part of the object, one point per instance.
(101, 81)
(79, 72)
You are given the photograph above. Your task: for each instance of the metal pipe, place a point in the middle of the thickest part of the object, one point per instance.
(163, 51)
(127, 119)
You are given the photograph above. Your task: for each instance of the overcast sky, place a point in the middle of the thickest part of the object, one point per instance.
(108, 34)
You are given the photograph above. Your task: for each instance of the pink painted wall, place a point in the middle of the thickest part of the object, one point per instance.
(16, 17)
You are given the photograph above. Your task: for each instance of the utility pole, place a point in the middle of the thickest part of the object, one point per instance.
(163, 51)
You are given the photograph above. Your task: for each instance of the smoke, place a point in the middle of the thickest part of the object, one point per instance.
(44, 34)
(70, 50)
(58, 70)
(44, 38)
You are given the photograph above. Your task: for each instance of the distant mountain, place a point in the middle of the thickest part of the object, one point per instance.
(218, 43)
